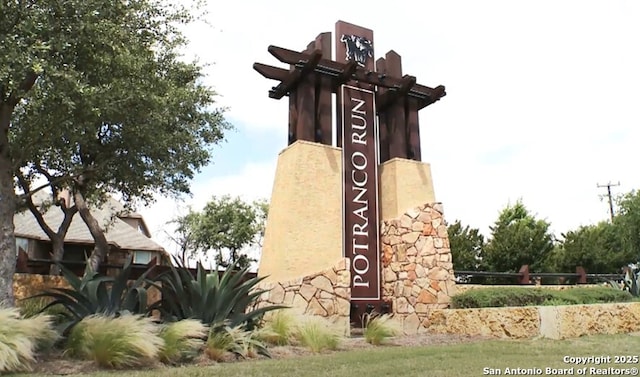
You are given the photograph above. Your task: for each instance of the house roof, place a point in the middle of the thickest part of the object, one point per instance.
(109, 216)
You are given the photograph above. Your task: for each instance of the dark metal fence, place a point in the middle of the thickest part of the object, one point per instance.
(524, 276)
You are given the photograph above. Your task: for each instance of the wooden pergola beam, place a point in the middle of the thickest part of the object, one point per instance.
(302, 69)
(335, 69)
(392, 95)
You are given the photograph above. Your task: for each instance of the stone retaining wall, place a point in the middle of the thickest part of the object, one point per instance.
(417, 272)
(554, 322)
(325, 294)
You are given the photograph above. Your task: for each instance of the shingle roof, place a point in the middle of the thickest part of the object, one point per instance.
(118, 233)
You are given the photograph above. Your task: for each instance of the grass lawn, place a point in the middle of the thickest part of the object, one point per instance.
(465, 359)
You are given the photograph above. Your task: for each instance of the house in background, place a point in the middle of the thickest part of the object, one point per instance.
(126, 233)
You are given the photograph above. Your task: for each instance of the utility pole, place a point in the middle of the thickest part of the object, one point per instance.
(608, 186)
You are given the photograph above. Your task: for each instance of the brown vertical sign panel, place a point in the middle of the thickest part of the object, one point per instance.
(358, 130)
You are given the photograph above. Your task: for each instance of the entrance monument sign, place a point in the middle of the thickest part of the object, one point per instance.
(377, 128)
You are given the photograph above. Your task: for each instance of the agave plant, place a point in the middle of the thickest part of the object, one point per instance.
(210, 297)
(94, 293)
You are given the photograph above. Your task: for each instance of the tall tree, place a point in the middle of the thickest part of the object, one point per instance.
(517, 238)
(627, 221)
(466, 246)
(226, 226)
(131, 115)
(597, 248)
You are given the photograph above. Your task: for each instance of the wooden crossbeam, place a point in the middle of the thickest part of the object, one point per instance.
(334, 68)
(270, 72)
(348, 71)
(302, 69)
(392, 95)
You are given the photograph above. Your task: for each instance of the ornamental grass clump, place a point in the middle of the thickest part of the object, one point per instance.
(378, 328)
(224, 340)
(318, 335)
(182, 340)
(21, 338)
(116, 342)
(279, 329)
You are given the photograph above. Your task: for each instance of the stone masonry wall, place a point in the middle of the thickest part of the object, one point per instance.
(325, 294)
(417, 272)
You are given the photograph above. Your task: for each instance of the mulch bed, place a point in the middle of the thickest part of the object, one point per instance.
(56, 364)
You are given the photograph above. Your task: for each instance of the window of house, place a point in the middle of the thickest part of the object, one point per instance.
(142, 257)
(22, 244)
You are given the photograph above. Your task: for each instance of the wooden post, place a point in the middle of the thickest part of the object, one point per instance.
(413, 130)
(323, 125)
(383, 126)
(306, 105)
(524, 275)
(22, 263)
(582, 275)
(396, 120)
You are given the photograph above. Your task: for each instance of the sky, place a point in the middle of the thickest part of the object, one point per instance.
(542, 104)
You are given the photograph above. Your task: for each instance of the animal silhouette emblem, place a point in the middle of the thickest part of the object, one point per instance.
(358, 48)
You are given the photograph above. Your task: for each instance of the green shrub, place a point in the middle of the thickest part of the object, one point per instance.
(317, 335)
(182, 340)
(377, 328)
(518, 296)
(209, 297)
(115, 342)
(279, 329)
(21, 338)
(96, 294)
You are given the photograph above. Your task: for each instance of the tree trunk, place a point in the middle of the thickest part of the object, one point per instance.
(101, 248)
(7, 211)
(57, 252)
(57, 238)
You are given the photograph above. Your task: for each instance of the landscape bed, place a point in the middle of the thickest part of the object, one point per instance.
(519, 296)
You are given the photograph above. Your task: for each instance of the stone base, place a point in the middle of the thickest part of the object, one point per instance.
(324, 294)
(417, 272)
(304, 234)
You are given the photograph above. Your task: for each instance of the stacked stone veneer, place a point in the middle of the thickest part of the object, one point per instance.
(417, 272)
(325, 294)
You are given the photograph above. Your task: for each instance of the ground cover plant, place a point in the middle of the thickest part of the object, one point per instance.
(412, 356)
(518, 296)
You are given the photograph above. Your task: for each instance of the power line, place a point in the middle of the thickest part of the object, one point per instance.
(608, 186)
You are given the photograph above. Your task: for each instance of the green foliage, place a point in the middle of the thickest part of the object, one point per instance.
(377, 328)
(517, 238)
(518, 296)
(225, 224)
(130, 114)
(210, 297)
(115, 342)
(182, 340)
(466, 246)
(21, 338)
(597, 248)
(97, 294)
(318, 336)
(628, 223)
(279, 329)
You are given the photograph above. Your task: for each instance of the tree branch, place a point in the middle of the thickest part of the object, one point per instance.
(25, 86)
(34, 210)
